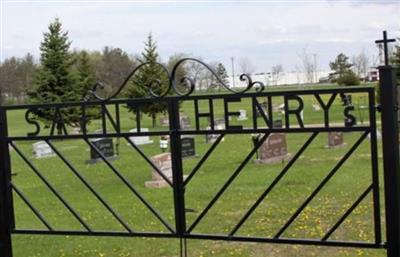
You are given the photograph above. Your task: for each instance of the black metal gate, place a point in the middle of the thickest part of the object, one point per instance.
(180, 228)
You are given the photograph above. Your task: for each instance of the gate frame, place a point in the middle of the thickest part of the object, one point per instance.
(391, 167)
(391, 175)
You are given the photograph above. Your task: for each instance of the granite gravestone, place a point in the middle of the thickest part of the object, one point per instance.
(335, 139)
(42, 150)
(188, 147)
(140, 140)
(105, 146)
(164, 164)
(274, 149)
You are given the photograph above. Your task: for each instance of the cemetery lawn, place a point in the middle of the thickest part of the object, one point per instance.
(303, 177)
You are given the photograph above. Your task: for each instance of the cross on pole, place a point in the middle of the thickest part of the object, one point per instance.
(385, 42)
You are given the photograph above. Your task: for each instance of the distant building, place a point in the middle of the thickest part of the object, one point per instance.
(372, 75)
(283, 78)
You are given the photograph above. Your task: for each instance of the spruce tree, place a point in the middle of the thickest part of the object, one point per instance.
(54, 81)
(85, 75)
(149, 76)
(341, 65)
(85, 79)
(222, 74)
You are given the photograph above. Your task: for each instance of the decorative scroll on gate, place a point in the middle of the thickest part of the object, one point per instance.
(204, 108)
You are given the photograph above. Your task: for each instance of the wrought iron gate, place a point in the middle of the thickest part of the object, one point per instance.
(264, 126)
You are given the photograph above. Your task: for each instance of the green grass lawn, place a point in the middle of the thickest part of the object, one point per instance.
(313, 165)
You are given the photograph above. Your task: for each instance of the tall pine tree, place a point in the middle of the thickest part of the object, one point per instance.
(54, 81)
(85, 79)
(222, 74)
(145, 78)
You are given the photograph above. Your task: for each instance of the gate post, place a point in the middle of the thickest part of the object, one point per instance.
(391, 166)
(6, 210)
(177, 173)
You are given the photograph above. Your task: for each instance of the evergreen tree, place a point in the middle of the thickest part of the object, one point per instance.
(54, 81)
(342, 68)
(85, 79)
(341, 65)
(85, 75)
(222, 74)
(149, 76)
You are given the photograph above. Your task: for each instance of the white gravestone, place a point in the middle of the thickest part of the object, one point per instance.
(211, 138)
(140, 140)
(316, 107)
(42, 150)
(243, 115)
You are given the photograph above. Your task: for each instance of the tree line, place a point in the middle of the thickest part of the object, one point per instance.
(65, 75)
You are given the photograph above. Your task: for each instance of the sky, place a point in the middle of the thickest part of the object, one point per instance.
(266, 33)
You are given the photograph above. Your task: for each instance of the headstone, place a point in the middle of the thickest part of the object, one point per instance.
(184, 121)
(243, 115)
(42, 150)
(140, 140)
(164, 164)
(188, 147)
(164, 143)
(219, 124)
(105, 146)
(76, 131)
(274, 149)
(277, 123)
(164, 121)
(335, 139)
(316, 107)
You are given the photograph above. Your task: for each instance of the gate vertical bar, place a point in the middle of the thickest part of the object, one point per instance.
(374, 166)
(390, 158)
(6, 210)
(177, 173)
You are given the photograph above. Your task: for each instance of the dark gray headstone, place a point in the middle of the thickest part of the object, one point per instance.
(277, 123)
(105, 146)
(188, 147)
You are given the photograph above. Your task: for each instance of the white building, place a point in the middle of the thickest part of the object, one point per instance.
(283, 78)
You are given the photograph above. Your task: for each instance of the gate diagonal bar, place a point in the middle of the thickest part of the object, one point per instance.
(30, 205)
(228, 182)
(130, 186)
(175, 225)
(91, 189)
(321, 185)
(272, 185)
(50, 187)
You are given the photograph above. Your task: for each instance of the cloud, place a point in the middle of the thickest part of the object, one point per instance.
(267, 32)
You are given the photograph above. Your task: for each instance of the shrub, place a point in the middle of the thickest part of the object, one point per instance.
(349, 79)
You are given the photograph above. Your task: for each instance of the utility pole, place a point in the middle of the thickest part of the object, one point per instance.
(233, 72)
